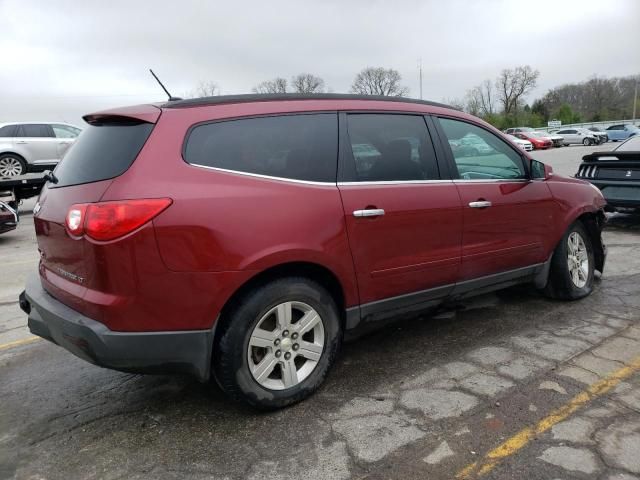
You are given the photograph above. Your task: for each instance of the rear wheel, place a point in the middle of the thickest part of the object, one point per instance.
(278, 344)
(12, 165)
(572, 265)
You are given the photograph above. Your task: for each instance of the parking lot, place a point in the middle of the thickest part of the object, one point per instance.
(508, 385)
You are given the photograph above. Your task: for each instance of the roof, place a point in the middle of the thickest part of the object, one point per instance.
(225, 99)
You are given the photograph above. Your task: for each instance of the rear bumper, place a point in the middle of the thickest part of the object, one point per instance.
(624, 194)
(187, 352)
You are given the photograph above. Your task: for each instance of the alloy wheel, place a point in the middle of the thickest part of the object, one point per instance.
(10, 167)
(577, 260)
(286, 345)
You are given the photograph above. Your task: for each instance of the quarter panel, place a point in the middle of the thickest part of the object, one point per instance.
(229, 222)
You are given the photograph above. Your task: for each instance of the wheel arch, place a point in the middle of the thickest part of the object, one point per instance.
(13, 152)
(309, 270)
(593, 223)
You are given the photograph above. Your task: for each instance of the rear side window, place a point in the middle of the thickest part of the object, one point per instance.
(34, 130)
(8, 131)
(300, 147)
(391, 147)
(101, 152)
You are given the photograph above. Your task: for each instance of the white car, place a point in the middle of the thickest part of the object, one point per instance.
(33, 146)
(526, 145)
(573, 136)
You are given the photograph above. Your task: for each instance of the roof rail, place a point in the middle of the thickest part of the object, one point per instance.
(223, 99)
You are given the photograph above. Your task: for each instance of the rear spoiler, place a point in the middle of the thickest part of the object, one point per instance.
(618, 159)
(125, 115)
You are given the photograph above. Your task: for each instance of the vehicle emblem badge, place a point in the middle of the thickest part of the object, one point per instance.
(628, 173)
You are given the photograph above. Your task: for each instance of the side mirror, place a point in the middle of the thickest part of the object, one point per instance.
(540, 171)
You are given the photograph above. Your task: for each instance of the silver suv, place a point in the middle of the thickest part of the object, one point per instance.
(33, 146)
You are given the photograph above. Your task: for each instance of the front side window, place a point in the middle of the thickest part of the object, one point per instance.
(389, 147)
(34, 130)
(479, 154)
(300, 147)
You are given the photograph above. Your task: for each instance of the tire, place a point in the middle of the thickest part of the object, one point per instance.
(258, 319)
(564, 272)
(586, 142)
(12, 165)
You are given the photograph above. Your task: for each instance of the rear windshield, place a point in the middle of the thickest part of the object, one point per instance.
(101, 152)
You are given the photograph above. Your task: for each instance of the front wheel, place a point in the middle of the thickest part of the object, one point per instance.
(572, 265)
(586, 142)
(278, 343)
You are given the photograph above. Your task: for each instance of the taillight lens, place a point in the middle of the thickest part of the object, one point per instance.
(110, 220)
(75, 219)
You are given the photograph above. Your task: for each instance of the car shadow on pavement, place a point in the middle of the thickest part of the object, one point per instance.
(626, 221)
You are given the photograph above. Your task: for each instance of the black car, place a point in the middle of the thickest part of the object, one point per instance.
(616, 174)
(8, 218)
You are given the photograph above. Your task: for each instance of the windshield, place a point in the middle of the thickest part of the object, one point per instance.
(630, 145)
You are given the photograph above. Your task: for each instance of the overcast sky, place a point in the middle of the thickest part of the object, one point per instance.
(61, 59)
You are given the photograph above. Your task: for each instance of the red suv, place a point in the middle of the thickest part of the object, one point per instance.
(240, 238)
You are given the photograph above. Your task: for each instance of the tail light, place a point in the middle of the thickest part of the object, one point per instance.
(105, 221)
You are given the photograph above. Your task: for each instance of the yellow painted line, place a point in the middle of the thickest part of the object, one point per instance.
(18, 343)
(524, 436)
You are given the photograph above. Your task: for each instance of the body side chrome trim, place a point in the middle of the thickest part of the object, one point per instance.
(394, 182)
(496, 180)
(264, 177)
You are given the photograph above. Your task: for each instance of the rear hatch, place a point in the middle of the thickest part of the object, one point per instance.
(104, 151)
(616, 173)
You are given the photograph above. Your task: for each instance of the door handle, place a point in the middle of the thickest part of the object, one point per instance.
(480, 204)
(369, 212)
(21, 142)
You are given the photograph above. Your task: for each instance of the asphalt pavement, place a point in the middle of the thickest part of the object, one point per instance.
(506, 386)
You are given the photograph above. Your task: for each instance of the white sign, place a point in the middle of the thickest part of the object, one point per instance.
(554, 123)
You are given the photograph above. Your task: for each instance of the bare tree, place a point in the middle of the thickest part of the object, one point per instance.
(480, 99)
(513, 85)
(307, 83)
(277, 85)
(379, 81)
(205, 88)
(457, 103)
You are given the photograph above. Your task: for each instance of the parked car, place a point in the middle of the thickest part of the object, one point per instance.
(616, 174)
(573, 136)
(8, 218)
(33, 147)
(474, 146)
(230, 237)
(538, 140)
(514, 130)
(601, 136)
(622, 132)
(557, 140)
(526, 145)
